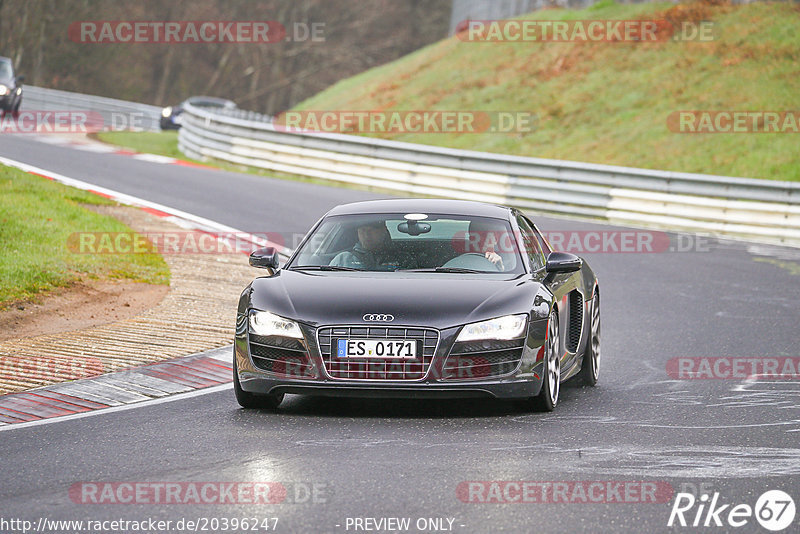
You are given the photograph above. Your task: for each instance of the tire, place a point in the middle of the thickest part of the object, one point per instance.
(15, 113)
(590, 367)
(547, 399)
(251, 400)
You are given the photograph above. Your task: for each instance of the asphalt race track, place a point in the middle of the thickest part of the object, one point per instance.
(378, 459)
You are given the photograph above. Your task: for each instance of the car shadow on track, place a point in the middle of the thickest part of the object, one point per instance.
(396, 408)
(305, 405)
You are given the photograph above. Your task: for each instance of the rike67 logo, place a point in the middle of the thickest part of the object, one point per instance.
(774, 510)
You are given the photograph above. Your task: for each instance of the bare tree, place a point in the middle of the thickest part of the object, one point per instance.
(267, 77)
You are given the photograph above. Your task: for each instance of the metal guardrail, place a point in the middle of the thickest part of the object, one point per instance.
(761, 210)
(243, 114)
(117, 114)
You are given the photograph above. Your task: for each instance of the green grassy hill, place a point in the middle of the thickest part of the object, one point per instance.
(609, 102)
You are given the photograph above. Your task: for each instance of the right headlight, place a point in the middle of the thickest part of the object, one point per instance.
(166, 112)
(502, 328)
(264, 323)
(3, 90)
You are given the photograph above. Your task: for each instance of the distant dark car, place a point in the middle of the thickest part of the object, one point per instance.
(171, 115)
(418, 298)
(10, 88)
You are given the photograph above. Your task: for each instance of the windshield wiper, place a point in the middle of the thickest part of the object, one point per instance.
(324, 268)
(444, 270)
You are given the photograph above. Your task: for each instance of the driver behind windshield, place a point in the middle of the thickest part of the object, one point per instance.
(373, 251)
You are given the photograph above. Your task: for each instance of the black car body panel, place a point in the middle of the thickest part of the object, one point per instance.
(314, 298)
(10, 87)
(430, 307)
(171, 115)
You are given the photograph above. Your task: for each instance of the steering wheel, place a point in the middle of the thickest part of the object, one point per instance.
(472, 260)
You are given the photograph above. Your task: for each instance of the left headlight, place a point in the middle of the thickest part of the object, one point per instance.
(264, 323)
(503, 328)
(166, 112)
(3, 90)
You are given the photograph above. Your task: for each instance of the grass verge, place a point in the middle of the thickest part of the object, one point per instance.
(161, 143)
(37, 217)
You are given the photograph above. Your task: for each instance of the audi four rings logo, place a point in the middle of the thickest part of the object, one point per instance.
(378, 318)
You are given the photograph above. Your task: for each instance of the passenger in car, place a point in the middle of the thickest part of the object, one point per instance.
(486, 238)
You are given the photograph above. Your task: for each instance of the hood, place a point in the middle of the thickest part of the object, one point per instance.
(438, 300)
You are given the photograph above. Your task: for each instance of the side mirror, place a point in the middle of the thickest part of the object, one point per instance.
(20, 79)
(563, 262)
(265, 258)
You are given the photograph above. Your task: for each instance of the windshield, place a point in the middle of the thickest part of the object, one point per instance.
(6, 72)
(411, 242)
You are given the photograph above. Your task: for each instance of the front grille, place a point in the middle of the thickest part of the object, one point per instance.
(377, 368)
(282, 356)
(482, 359)
(575, 320)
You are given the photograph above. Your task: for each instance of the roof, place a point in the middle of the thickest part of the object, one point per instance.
(201, 100)
(423, 205)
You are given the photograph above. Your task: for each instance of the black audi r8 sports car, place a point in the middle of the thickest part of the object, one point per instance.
(418, 298)
(171, 115)
(10, 88)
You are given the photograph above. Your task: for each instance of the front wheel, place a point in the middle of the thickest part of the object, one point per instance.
(590, 367)
(251, 400)
(547, 399)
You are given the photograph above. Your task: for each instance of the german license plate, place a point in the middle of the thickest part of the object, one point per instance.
(376, 348)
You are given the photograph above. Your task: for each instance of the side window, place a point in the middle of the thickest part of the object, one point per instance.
(542, 241)
(532, 248)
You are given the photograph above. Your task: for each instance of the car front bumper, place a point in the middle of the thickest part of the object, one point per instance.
(7, 101)
(375, 389)
(526, 380)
